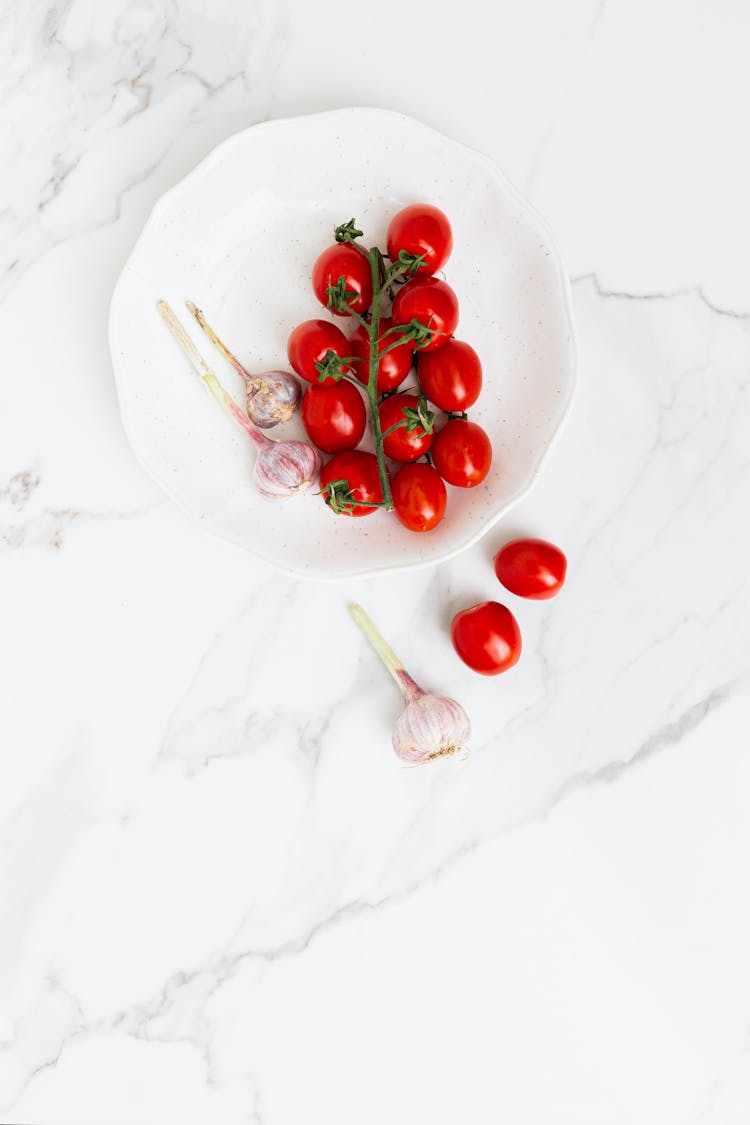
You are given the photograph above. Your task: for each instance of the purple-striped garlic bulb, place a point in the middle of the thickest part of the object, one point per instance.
(282, 468)
(430, 726)
(271, 397)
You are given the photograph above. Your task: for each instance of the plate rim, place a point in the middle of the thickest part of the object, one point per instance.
(486, 525)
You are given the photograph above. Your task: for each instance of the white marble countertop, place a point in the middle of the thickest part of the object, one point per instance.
(221, 898)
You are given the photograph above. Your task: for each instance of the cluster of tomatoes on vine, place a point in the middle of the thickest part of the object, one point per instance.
(380, 354)
(405, 322)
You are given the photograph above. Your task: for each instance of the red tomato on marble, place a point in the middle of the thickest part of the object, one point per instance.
(531, 568)
(487, 638)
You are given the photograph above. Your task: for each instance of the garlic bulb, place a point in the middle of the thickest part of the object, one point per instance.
(430, 726)
(283, 468)
(270, 397)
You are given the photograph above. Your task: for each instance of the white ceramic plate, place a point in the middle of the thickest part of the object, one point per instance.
(239, 236)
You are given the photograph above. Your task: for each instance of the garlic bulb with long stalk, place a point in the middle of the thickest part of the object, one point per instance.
(430, 726)
(271, 396)
(282, 468)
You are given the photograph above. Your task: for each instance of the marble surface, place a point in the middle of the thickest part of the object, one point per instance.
(222, 900)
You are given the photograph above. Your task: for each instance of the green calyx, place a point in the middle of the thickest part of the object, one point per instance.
(332, 367)
(420, 333)
(414, 418)
(339, 297)
(340, 498)
(410, 263)
(347, 232)
(415, 331)
(419, 417)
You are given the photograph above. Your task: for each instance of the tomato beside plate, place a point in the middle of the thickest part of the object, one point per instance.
(531, 568)
(487, 638)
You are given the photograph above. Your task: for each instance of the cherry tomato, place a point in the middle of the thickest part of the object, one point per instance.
(487, 638)
(351, 477)
(392, 368)
(421, 229)
(531, 568)
(451, 377)
(462, 453)
(402, 445)
(343, 260)
(419, 497)
(431, 302)
(334, 416)
(310, 342)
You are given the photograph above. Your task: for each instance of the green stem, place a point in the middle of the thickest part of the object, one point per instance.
(390, 348)
(382, 270)
(395, 426)
(358, 316)
(352, 379)
(373, 332)
(409, 687)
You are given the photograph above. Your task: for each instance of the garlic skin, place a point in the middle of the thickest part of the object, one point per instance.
(271, 398)
(285, 468)
(429, 727)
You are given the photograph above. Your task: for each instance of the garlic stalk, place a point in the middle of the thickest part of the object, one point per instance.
(282, 468)
(270, 397)
(430, 726)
